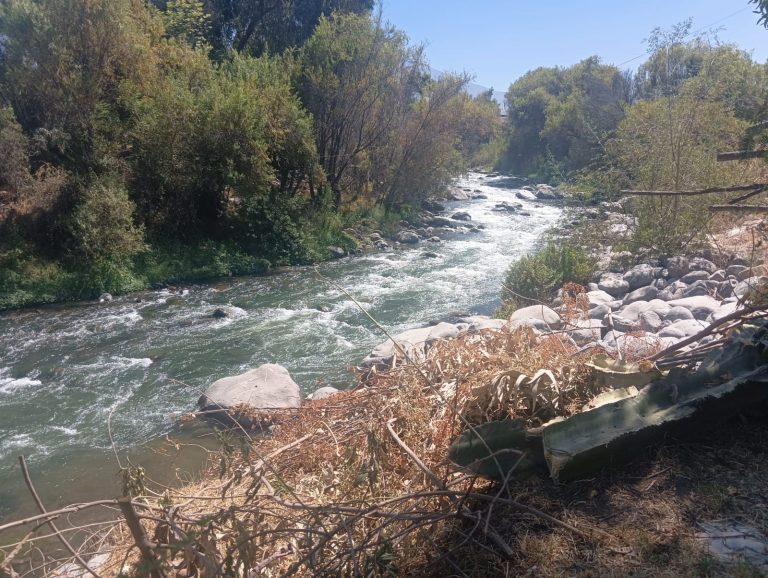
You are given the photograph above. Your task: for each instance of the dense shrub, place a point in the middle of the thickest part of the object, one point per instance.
(537, 277)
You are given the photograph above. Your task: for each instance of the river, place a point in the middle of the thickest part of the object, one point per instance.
(144, 358)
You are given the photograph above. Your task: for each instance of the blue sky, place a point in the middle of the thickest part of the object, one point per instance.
(499, 40)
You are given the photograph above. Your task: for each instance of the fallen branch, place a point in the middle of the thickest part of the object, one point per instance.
(694, 192)
(740, 208)
(741, 155)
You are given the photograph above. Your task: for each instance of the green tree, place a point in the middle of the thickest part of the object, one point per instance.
(187, 19)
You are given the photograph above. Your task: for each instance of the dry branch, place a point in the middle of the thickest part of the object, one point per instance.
(740, 208)
(59, 535)
(708, 191)
(741, 155)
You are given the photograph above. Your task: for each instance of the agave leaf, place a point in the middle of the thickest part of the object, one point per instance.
(507, 440)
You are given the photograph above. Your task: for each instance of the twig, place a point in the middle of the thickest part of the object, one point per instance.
(422, 466)
(41, 507)
(140, 537)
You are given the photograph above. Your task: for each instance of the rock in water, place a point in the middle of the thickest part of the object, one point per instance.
(407, 237)
(462, 216)
(247, 399)
(105, 298)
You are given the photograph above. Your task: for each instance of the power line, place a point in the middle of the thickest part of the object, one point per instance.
(724, 18)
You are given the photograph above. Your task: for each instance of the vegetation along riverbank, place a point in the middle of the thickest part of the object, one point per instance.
(609, 418)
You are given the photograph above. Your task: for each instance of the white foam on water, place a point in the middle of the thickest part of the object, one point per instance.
(14, 384)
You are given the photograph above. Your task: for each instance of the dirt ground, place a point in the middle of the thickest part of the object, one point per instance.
(642, 518)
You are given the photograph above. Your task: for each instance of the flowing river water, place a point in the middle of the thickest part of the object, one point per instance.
(144, 358)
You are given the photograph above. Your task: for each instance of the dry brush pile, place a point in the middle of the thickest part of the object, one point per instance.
(357, 484)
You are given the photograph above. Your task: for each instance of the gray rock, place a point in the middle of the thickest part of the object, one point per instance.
(228, 312)
(441, 222)
(542, 312)
(639, 276)
(678, 267)
(683, 328)
(435, 240)
(105, 298)
(725, 289)
(336, 252)
(736, 270)
(701, 287)
(267, 387)
(619, 323)
(598, 297)
(694, 276)
(525, 195)
(701, 264)
(660, 283)
(586, 331)
(457, 194)
(719, 276)
(643, 294)
(701, 307)
(481, 323)
(613, 284)
(430, 255)
(753, 285)
(462, 216)
(633, 310)
(650, 321)
(592, 287)
(539, 325)
(599, 311)
(724, 310)
(415, 343)
(677, 314)
(323, 393)
(407, 237)
(634, 345)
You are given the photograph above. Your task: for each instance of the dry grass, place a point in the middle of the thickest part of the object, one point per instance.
(359, 485)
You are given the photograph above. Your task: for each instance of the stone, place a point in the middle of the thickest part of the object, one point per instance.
(694, 276)
(441, 222)
(660, 283)
(542, 312)
(701, 306)
(432, 206)
(435, 239)
(725, 289)
(105, 298)
(677, 314)
(701, 287)
(678, 267)
(481, 323)
(598, 297)
(415, 343)
(336, 252)
(457, 194)
(619, 323)
(752, 272)
(724, 311)
(587, 331)
(753, 285)
(407, 237)
(323, 393)
(525, 195)
(429, 255)
(639, 276)
(650, 321)
(613, 284)
(228, 312)
(599, 311)
(719, 276)
(633, 310)
(268, 387)
(736, 270)
(643, 294)
(683, 328)
(701, 264)
(462, 216)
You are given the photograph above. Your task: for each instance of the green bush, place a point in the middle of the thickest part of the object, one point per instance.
(538, 276)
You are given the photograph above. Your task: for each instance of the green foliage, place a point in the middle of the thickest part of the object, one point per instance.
(187, 19)
(538, 276)
(558, 118)
(103, 227)
(762, 10)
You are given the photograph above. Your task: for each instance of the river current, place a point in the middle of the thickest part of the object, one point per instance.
(145, 358)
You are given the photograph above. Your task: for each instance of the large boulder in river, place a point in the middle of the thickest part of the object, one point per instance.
(540, 312)
(462, 216)
(407, 237)
(251, 398)
(414, 342)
